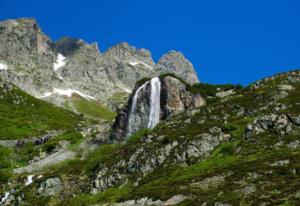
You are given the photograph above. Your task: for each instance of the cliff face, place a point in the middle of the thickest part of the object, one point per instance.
(154, 100)
(175, 62)
(38, 65)
(28, 55)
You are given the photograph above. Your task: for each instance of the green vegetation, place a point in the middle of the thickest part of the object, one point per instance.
(210, 90)
(92, 108)
(135, 138)
(110, 195)
(22, 116)
(5, 165)
(239, 171)
(141, 82)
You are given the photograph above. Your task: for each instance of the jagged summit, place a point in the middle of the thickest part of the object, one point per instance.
(175, 62)
(37, 65)
(124, 49)
(68, 45)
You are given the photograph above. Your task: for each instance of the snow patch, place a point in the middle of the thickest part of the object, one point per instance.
(66, 92)
(127, 90)
(135, 63)
(59, 76)
(60, 62)
(6, 195)
(29, 180)
(3, 66)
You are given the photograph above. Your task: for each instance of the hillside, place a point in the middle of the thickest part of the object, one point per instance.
(241, 148)
(23, 115)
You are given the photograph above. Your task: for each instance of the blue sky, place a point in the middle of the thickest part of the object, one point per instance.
(227, 41)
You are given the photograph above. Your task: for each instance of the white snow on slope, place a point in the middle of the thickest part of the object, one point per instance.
(29, 180)
(127, 90)
(134, 63)
(3, 67)
(66, 92)
(60, 62)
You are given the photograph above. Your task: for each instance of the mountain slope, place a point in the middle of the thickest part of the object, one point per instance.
(38, 65)
(23, 115)
(239, 149)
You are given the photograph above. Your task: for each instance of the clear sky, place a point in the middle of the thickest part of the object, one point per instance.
(227, 41)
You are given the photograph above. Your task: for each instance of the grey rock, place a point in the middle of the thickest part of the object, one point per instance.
(175, 62)
(280, 163)
(50, 187)
(283, 124)
(285, 87)
(174, 98)
(223, 94)
(209, 183)
(247, 190)
(146, 201)
(221, 204)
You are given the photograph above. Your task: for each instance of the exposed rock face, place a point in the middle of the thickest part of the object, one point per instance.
(145, 160)
(282, 124)
(168, 97)
(127, 64)
(176, 97)
(28, 54)
(50, 187)
(28, 57)
(148, 201)
(175, 62)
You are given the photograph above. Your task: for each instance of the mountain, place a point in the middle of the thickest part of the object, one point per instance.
(240, 148)
(42, 67)
(171, 141)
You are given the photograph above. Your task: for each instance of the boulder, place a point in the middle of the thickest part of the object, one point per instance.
(50, 187)
(172, 96)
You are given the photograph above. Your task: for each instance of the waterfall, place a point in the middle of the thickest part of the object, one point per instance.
(131, 120)
(154, 111)
(155, 103)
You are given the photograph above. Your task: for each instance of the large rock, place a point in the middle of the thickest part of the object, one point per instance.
(175, 62)
(28, 55)
(50, 187)
(177, 98)
(174, 97)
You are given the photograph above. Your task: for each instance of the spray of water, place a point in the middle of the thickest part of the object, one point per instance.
(154, 114)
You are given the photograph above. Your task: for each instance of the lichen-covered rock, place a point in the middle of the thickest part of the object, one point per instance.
(177, 98)
(282, 124)
(174, 97)
(50, 187)
(176, 63)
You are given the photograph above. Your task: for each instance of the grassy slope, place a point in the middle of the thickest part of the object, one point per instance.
(90, 108)
(22, 115)
(236, 159)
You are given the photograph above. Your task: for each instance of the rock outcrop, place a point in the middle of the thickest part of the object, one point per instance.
(154, 100)
(50, 187)
(37, 65)
(175, 62)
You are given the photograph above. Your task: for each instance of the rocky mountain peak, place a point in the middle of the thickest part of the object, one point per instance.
(22, 38)
(125, 50)
(175, 62)
(72, 63)
(68, 45)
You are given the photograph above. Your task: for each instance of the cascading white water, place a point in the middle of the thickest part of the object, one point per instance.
(154, 113)
(155, 103)
(131, 127)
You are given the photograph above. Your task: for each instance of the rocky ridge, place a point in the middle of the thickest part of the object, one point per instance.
(29, 57)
